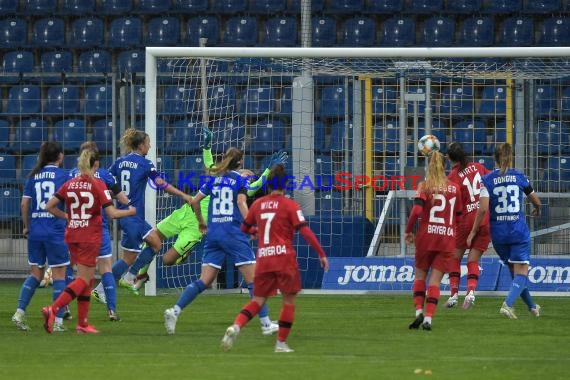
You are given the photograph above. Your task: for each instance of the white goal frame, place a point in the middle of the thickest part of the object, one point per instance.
(153, 53)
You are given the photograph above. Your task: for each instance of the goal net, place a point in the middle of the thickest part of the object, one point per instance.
(349, 120)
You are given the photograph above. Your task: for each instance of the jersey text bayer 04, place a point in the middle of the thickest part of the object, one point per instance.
(508, 224)
(84, 198)
(437, 229)
(469, 180)
(132, 171)
(40, 188)
(277, 218)
(224, 216)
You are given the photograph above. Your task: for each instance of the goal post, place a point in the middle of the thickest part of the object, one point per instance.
(349, 117)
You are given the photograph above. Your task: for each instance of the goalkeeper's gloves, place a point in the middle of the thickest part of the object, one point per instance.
(278, 158)
(207, 137)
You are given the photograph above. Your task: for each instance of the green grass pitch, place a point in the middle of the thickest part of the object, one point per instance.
(334, 337)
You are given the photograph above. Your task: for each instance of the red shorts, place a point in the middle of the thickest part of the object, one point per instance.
(288, 281)
(84, 253)
(480, 241)
(434, 259)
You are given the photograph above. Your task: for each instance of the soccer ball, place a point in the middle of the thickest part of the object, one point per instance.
(428, 144)
(47, 280)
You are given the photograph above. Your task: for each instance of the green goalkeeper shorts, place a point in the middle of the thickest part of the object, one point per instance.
(183, 224)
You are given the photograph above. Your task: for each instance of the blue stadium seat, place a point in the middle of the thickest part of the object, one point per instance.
(339, 138)
(13, 33)
(486, 161)
(438, 32)
(359, 32)
(286, 101)
(7, 169)
(332, 101)
(203, 27)
(70, 161)
(152, 6)
(399, 32)
(316, 6)
(551, 137)
(229, 6)
(324, 31)
(499, 136)
(493, 100)
(502, 6)
(267, 6)
(10, 204)
(348, 7)
(24, 99)
(115, 7)
(40, 7)
(125, 32)
(228, 133)
(28, 163)
(324, 170)
(87, 33)
(139, 92)
(21, 61)
(545, 100)
(63, 100)
(221, 100)
(281, 31)
(477, 31)
(98, 99)
(70, 133)
(387, 136)
(384, 99)
(555, 31)
(48, 32)
(558, 173)
(189, 131)
(258, 100)
(320, 142)
(384, 6)
(103, 135)
(516, 31)
(131, 61)
(424, 6)
(56, 62)
(191, 6)
(4, 135)
(95, 62)
(472, 134)
(420, 89)
(328, 202)
(163, 31)
(191, 168)
(30, 133)
(179, 100)
(245, 67)
(464, 6)
(267, 136)
(542, 6)
(565, 97)
(9, 6)
(78, 7)
(165, 164)
(458, 100)
(241, 31)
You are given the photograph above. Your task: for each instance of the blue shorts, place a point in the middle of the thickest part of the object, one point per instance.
(106, 248)
(135, 230)
(235, 246)
(518, 253)
(56, 253)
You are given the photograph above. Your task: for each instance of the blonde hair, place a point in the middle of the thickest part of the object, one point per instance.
(504, 157)
(91, 145)
(132, 139)
(436, 179)
(86, 161)
(231, 161)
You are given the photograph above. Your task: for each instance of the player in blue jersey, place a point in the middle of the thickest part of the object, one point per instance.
(226, 212)
(44, 232)
(104, 261)
(502, 195)
(133, 172)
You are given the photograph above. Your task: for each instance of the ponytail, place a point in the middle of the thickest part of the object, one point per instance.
(86, 161)
(49, 153)
(504, 157)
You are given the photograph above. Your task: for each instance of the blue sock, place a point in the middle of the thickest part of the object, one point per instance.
(119, 269)
(144, 258)
(69, 277)
(264, 311)
(525, 295)
(190, 293)
(518, 285)
(110, 290)
(58, 286)
(27, 291)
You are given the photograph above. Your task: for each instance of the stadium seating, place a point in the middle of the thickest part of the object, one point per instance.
(63, 100)
(152, 6)
(339, 138)
(486, 161)
(328, 202)
(385, 6)
(24, 99)
(258, 100)
(516, 31)
(386, 136)
(48, 33)
(190, 6)
(115, 7)
(267, 136)
(359, 32)
(28, 163)
(555, 31)
(558, 174)
(131, 61)
(7, 169)
(229, 6)
(165, 164)
(384, 99)
(324, 31)
(317, 6)
(87, 33)
(464, 6)
(39, 7)
(30, 133)
(163, 31)
(458, 99)
(125, 32)
(281, 32)
(286, 101)
(324, 174)
(9, 6)
(191, 168)
(98, 99)
(70, 133)
(551, 138)
(103, 135)
(472, 134)
(332, 102)
(78, 7)
(477, 31)
(70, 161)
(221, 100)
(138, 93)
(10, 204)
(161, 135)
(438, 128)
(420, 89)
(17, 62)
(179, 100)
(424, 6)
(565, 97)
(13, 33)
(502, 6)
(203, 27)
(267, 6)
(320, 143)
(4, 135)
(493, 100)
(189, 131)
(544, 100)
(438, 32)
(399, 32)
(95, 62)
(240, 31)
(541, 6)
(56, 62)
(348, 7)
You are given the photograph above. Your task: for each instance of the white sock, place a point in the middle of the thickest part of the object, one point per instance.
(419, 311)
(427, 320)
(100, 289)
(265, 321)
(177, 310)
(129, 277)
(58, 320)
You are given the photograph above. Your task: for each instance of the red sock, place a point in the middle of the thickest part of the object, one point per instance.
(74, 289)
(286, 319)
(83, 302)
(472, 275)
(432, 300)
(247, 313)
(419, 289)
(454, 276)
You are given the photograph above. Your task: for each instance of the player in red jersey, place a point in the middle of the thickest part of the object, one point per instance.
(84, 197)
(468, 176)
(274, 218)
(438, 203)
